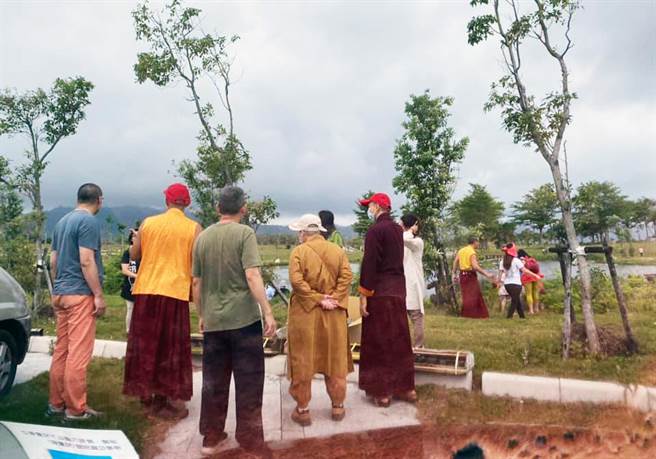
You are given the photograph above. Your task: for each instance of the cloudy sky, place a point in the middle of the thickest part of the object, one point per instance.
(319, 95)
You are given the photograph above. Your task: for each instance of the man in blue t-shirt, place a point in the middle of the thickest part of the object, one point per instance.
(77, 300)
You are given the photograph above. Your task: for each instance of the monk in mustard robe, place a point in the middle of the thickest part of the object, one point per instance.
(317, 332)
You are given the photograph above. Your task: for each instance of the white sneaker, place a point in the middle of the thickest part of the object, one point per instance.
(89, 413)
(212, 443)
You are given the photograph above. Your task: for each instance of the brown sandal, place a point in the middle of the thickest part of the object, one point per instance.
(410, 397)
(338, 412)
(383, 402)
(302, 417)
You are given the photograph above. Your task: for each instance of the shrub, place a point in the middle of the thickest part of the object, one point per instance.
(113, 275)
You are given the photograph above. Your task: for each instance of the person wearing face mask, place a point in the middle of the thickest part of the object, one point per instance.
(317, 331)
(386, 359)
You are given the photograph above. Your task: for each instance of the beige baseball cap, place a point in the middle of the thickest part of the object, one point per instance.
(308, 222)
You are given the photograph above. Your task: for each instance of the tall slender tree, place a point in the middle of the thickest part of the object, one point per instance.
(44, 119)
(426, 157)
(542, 123)
(181, 51)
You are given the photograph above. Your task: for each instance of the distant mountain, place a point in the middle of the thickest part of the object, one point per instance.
(130, 216)
(110, 217)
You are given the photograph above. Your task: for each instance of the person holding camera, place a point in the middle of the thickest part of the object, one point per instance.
(129, 268)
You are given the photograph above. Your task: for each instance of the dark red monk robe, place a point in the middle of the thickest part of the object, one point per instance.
(386, 359)
(473, 303)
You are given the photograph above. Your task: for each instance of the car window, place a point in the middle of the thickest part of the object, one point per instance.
(10, 290)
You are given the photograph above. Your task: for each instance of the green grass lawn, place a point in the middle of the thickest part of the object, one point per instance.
(530, 346)
(27, 403)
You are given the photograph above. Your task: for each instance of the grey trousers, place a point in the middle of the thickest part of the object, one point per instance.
(417, 319)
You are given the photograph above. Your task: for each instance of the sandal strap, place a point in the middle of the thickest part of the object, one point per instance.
(302, 410)
(339, 406)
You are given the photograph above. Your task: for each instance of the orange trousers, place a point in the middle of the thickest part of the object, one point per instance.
(76, 332)
(301, 391)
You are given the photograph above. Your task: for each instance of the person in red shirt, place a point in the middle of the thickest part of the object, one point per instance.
(386, 359)
(531, 285)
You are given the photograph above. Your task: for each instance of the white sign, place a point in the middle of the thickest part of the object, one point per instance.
(50, 442)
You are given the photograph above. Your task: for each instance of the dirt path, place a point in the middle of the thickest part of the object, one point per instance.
(495, 441)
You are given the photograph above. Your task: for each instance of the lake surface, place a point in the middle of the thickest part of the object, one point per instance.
(550, 269)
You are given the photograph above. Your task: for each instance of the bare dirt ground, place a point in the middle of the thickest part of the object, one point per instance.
(494, 441)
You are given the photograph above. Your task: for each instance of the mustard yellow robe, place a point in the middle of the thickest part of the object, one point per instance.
(318, 339)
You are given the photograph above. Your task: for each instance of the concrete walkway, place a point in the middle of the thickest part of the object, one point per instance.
(33, 365)
(183, 439)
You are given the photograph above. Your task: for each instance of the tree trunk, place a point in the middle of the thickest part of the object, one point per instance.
(584, 270)
(451, 286)
(441, 283)
(631, 342)
(566, 266)
(39, 218)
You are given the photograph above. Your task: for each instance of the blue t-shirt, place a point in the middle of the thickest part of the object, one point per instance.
(76, 229)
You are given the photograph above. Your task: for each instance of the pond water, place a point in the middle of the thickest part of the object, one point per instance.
(550, 269)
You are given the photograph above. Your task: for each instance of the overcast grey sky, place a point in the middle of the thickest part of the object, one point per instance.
(320, 92)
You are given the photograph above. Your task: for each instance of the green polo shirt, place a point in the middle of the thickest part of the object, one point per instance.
(221, 255)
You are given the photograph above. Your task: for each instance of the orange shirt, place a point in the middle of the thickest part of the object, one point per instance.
(166, 244)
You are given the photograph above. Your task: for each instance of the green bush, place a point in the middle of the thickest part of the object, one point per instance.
(640, 295)
(17, 257)
(113, 275)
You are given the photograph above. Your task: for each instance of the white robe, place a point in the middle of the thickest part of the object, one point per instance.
(413, 267)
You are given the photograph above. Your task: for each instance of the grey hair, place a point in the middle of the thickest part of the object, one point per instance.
(231, 199)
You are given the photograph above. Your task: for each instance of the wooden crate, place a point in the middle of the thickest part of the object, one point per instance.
(445, 362)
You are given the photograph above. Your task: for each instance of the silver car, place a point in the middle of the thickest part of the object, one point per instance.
(15, 326)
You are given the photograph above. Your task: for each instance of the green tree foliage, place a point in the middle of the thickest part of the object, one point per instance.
(538, 209)
(600, 207)
(180, 51)
(44, 119)
(362, 220)
(260, 212)
(538, 122)
(15, 252)
(480, 212)
(11, 206)
(645, 212)
(426, 157)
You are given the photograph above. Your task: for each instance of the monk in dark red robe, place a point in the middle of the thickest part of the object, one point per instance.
(386, 359)
(466, 263)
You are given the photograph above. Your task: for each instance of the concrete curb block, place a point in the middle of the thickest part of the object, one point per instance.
(101, 348)
(563, 390)
(276, 365)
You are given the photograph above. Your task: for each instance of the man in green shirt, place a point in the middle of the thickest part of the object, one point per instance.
(227, 287)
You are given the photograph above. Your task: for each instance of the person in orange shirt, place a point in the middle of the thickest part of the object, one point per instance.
(158, 358)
